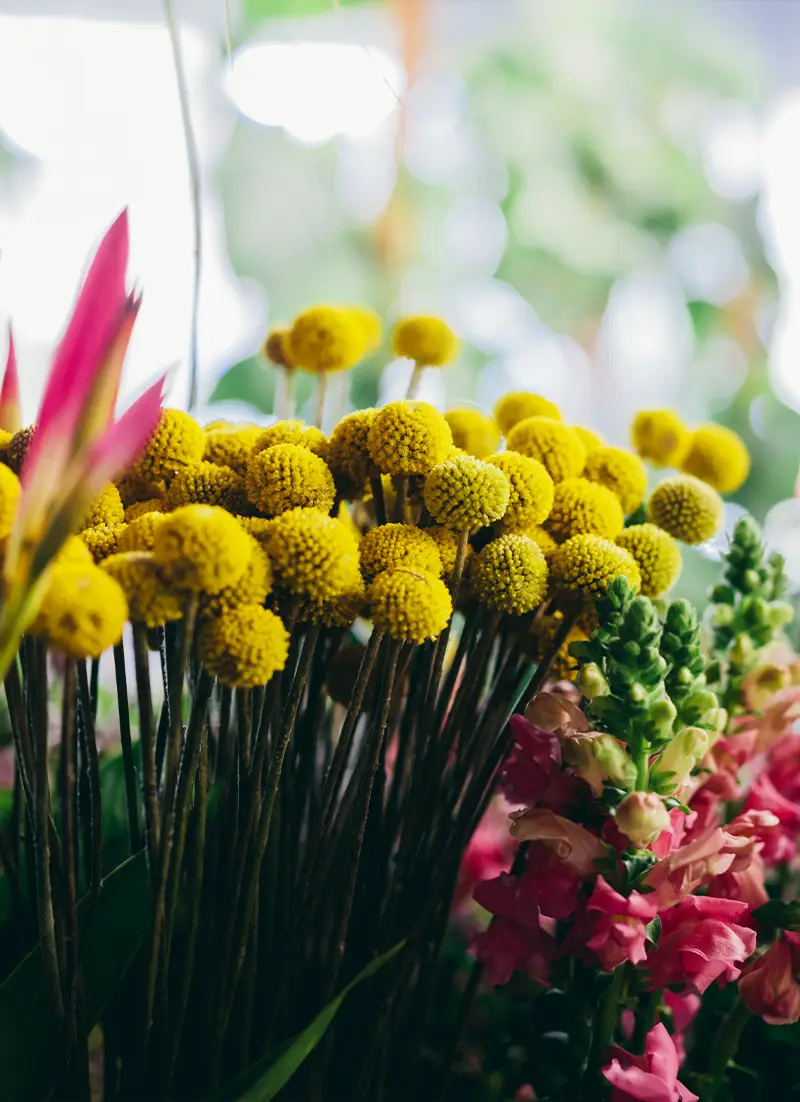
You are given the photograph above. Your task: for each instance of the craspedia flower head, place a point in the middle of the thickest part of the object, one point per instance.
(177, 442)
(244, 646)
(473, 432)
(257, 527)
(408, 438)
(547, 545)
(150, 601)
(201, 549)
(446, 542)
(409, 605)
(660, 436)
(289, 477)
(621, 471)
(553, 443)
(370, 325)
(718, 456)
(83, 611)
(313, 555)
(531, 489)
(10, 491)
(231, 447)
(348, 454)
(391, 545)
(292, 432)
(74, 552)
(5, 439)
(205, 483)
(275, 347)
(253, 587)
(428, 341)
(325, 339)
(140, 534)
(510, 575)
(134, 489)
(102, 540)
(690, 510)
(589, 564)
(518, 405)
(589, 438)
(657, 556)
(465, 493)
(338, 612)
(16, 449)
(581, 507)
(139, 508)
(106, 508)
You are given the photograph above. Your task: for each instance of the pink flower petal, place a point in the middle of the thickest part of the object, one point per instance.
(10, 403)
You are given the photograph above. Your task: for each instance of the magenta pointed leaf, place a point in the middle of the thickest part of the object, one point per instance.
(10, 402)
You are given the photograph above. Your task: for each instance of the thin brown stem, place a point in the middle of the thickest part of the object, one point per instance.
(131, 785)
(147, 739)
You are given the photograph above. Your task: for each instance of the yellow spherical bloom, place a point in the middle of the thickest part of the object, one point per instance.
(133, 490)
(621, 471)
(105, 509)
(428, 341)
(139, 508)
(590, 564)
(292, 432)
(5, 439)
(231, 447)
(410, 605)
(313, 555)
(581, 507)
(150, 601)
(531, 489)
(289, 477)
(325, 339)
(718, 456)
(408, 438)
(74, 552)
(201, 549)
(102, 540)
(177, 442)
(338, 612)
(10, 491)
(554, 444)
(205, 484)
(244, 646)
(370, 325)
(140, 534)
(657, 556)
(518, 405)
(83, 611)
(391, 545)
(275, 347)
(510, 575)
(257, 527)
(547, 545)
(348, 453)
(473, 432)
(253, 587)
(690, 510)
(660, 436)
(466, 493)
(588, 438)
(446, 542)
(15, 450)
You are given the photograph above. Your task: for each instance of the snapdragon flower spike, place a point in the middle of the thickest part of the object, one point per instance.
(10, 404)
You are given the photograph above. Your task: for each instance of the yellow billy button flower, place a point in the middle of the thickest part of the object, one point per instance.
(370, 325)
(313, 555)
(391, 545)
(410, 605)
(15, 450)
(348, 452)
(657, 556)
(531, 489)
(338, 612)
(232, 446)
(102, 540)
(642, 816)
(510, 575)
(428, 341)
(289, 477)
(718, 456)
(177, 442)
(292, 432)
(690, 510)
(205, 483)
(473, 432)
(466, 494)
(257, 527)
(446, 542)
(589, 564)
(83, 611)
(325, 339)
(5, 439)
(150, 601)
(581, 507)
(253, 587)
(139, 508)
(105, 509)
(74, 552)
(140, 535)
(547, 544)
(201, 549)
(660, 436)
(275, 347)
(588, 438)
(518, 405)
(621, 472)
(9, 499)
(552, 443)
(244, 646)
(408, 438)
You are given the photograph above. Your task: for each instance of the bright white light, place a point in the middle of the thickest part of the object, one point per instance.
(733, 155)
(710, 262)
(718, 545)
(782, 534)
(316, 90)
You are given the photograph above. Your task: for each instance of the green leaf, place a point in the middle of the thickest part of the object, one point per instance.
(653, 931)
(31, 1050)
(263, 1080)
(256, 10)
(777, 915)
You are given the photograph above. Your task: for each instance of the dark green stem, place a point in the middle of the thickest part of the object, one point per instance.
(726, 1044)
(131, 786)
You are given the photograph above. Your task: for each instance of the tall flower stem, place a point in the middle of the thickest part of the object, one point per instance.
(726, 1044)
(131, 786)
(148, 746)
(92, 763)
(415, 381)
(322, 390)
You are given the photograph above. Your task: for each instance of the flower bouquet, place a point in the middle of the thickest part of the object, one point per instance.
(267, 687)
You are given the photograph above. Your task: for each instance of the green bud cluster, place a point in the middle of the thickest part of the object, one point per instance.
(685, 680)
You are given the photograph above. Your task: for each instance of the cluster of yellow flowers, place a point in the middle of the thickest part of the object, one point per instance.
(399, 515)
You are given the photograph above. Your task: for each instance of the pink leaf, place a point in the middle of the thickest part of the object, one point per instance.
(10, 404)
(123, 441)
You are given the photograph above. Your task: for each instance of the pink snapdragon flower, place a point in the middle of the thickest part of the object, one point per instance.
(781, 845)
(577, 847)
(768, 985)
(507, 946)
(783, 766)
(545, 885)
(487, 855)
(649, 1078)
(700, 942)
(618, 925)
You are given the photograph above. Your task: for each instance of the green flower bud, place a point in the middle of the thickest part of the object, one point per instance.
(723, 616)
(716, 719)
(637, 694)
(642, 816)
(722, 595)
(614, 760)
(662, 714)
(742, 652)
(779, 613)
(683, 754)
(592, 681)
(751, 580)
(578, 752)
